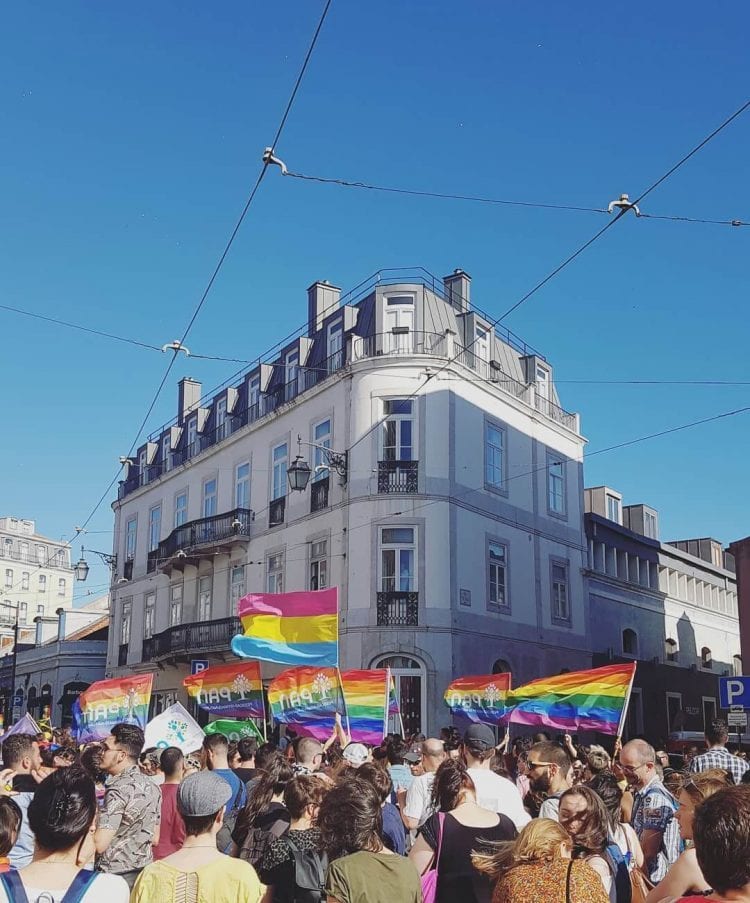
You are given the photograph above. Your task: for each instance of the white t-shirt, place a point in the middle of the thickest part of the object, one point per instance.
(499, 795)
(419, 798)
(103, 889)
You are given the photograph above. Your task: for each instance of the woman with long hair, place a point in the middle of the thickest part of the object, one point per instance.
(537, 868)
(264, 815)
(362, 869)
(458, 827)
(585, 818)
(605, 785)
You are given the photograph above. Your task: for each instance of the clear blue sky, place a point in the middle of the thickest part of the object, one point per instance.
(131, 135)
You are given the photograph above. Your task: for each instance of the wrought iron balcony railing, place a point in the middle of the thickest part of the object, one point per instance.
(396, 609)
(122, 654)
(186, 639)
(398, 476)
(319, 495)
(206, 531)
(276, 512)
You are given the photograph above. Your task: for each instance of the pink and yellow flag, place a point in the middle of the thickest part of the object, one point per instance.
(233, 691)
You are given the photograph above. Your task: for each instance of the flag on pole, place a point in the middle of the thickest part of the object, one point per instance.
(25, 725)
(234, 730)
(109, 702)
(366, 694)
(290, 628)
(234, 690)
(174, 727)
(480, 698)
(307, 699)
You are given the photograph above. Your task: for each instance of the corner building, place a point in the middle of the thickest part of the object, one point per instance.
(455, 534)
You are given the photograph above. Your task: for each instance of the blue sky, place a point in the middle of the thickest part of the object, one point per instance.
(131, 136)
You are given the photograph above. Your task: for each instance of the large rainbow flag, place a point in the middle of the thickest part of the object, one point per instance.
(479, 698)
(367, 702)
(290, 628)
(109, 702)
(593, 700)
(307, 699)
(233, 690)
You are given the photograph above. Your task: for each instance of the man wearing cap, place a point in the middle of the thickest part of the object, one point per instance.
(493, 792)
(356, 754)
(199, 867)
(417, 806)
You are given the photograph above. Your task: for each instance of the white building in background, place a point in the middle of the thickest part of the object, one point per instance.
(454, 531)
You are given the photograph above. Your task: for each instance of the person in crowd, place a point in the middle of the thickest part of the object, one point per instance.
(457, 827)
(264, 816)
(584, 817)
(21, 755)
(598, 761)
(685, 876)
(215, 758)
(245, 769)
(608, 790)
(416, 804)
(689, 753)
(91, 762)
(396, 750)
(361, 869)
(355, 754)
(129, 819)
(10, 824)
(302, 798)
(394, 833)
(537, 868)
(550, 773)
(308, 754)
(148, 762)
(62, 817)
(492, 792)
(662, 757)
(233, 757)
(199, 871)
(172, 827)
(717, 755)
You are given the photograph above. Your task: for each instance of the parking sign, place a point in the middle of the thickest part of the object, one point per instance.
(198, 664)
(734, 691)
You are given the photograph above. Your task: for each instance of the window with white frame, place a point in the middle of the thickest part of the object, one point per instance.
(335, 346)
(41, 555)
(175, 604)
(130, 537)
(127, 605)
(397, 559)
(8, 549)
(649, 524)
(25, 580)
(40, 609)
(494, 455)
(556, 484)
(613, 508)
(204, 598)
(209, 497)
(397, 434)
(23, 612)
(291, 375)
(166, 453)
(8, 577)
(560, 590)
(149, 613)
(61, 586)
(60, 558)
(253, 395)
(497, 574)
(319, 564)
(180, 508)
(275, 573)
(154, 527)
(321, 436)
(236, 586)
(242, 485)
(42, 583)
(192, 436)
(221, 418)
(24, 551)
(279, 461)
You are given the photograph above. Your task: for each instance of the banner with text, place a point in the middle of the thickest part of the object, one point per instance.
(307, 699)
(109, 702)
(233, 690)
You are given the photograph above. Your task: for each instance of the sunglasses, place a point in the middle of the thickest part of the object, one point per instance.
(532, 765)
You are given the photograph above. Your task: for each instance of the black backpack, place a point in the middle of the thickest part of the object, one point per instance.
(224, 836)
(310, 868)
(258, 840)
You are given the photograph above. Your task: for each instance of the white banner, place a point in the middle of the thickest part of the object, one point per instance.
(174, 727)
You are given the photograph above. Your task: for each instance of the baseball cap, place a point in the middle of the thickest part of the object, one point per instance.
(413, 756)
(355, 754)
(203, 793)
(479, 737)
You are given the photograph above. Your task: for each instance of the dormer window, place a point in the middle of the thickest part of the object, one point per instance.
(399, 324)
(192, 436)
(221, 419)
(335, 346)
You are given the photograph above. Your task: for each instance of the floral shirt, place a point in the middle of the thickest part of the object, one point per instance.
(132, 809)
(534, 882)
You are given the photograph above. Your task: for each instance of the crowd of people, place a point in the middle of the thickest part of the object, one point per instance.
(451, 819)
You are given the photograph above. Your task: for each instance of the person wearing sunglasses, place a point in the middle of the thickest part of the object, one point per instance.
(549, 770)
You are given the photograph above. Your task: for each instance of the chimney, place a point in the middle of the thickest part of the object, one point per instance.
(188, 397)
(458, 290)
(322, 300)
(60, 612)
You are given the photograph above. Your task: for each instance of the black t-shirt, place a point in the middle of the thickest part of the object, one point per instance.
(24, 783)
(457, 877)
(266, 821)
(245, 774)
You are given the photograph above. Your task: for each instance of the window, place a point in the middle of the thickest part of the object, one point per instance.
(321, 436)
(706, 658)
(397, 430)
(494, 456)
(335, 346)
(253, 396)
(709, 711)
(130, 537)
(8, 577)
(221, 418)
(482, 345)
(154, 528)
(166, 454)
(175, 604)
(397, 554)
(291, 374)
(242, 485)
(192, 436)
(61, 586)
(8, 549)
(542, 389)
(209, 498)
(236, 587)
(180, 508)
(204, 598)
(555, 484)
(670, 649)
(629, 642)
(42, 583)
(398, 324)
(319, 564)
(501, 666)
(649, 525)
(60, 558)
(497, 590)
(40, 609)
(24, 547)
(125, 620)
(275, 573)
(737, 665)
(409, 676)
(560, 600)
(23, 612)
(613, 508)
(149, 611)
(41, 555)
(675, 717)
(279, 461)
(25, 580)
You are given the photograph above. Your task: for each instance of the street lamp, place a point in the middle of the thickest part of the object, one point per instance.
(81, 569)
(299, 472)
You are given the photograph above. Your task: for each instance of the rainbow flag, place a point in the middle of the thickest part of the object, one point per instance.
(234, 690)
(479, 698)
(234, 730)
(393, 707)
(307, 699)
(109, 702)
(367, 700)
(593, 700)
(290, 628)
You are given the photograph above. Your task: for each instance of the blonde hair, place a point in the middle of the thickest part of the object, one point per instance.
(540, 841)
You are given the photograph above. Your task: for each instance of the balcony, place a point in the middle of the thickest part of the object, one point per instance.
(398, 609)
(319, 495)
(188, 542)
(189, 639)
(276, 512)
(122, 654)
(398, 476)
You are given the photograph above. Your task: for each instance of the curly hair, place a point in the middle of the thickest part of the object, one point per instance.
(350, 819)
(452, 780)
(593, 833)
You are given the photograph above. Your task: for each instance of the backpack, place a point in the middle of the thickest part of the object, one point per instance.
(258, 840)
(618, 865)
(16, 893)
(224, 836)
(310, 868)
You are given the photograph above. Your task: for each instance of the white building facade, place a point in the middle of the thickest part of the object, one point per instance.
(455, 535)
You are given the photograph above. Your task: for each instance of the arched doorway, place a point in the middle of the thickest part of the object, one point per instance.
(410, 678)
(501, 666)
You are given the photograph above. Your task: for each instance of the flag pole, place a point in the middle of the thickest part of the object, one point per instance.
(346, 707)
(623, 714)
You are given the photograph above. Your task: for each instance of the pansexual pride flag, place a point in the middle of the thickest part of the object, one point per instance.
(110, 702)
(367, 700)
(233, 690)
(592, 700)
(480, 698)
(290, 628)
(307, 699)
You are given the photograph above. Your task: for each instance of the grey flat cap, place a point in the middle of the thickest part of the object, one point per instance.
(203, 793)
